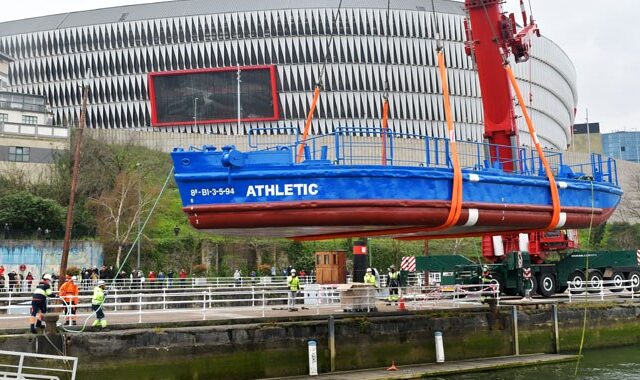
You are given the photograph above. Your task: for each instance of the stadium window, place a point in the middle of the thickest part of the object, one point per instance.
(26, 119)
(18, 154)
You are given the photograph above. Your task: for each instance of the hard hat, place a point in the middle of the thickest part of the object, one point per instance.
(484, 267)
(369, 270)
(293, 271)
(392, 267)
(46, 276)
(74, 278)
(100, 283)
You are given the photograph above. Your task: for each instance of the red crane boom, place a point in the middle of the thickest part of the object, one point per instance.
(490, 36)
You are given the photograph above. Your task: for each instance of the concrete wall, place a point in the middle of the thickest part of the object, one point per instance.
(244, 349)
(44, 256)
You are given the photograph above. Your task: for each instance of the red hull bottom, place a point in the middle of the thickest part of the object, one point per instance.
(318, 220)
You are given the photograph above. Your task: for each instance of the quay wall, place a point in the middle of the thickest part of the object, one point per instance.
(244, 349)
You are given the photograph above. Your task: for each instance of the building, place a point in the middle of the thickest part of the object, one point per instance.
(587, 138)
(114, 50)
(622, 145)
(28, 141)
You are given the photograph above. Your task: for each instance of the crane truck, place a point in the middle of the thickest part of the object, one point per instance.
(514, 259)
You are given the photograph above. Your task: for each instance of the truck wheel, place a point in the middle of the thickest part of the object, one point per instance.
(634, 277)
(547, 285)
(617, 280)
(595, 281)
(577, 282)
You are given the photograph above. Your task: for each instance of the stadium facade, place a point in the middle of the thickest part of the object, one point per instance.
(114, 50)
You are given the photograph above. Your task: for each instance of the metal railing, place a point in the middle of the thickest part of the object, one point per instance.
(581, 290)
(34, 130)
(363, 146)
(26, 366)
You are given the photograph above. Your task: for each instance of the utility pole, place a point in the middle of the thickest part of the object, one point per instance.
(138, 165)
(74, 184)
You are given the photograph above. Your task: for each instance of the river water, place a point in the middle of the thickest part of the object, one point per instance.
(604, 364)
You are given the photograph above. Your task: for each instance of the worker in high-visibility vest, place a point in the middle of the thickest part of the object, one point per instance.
(393, 284)
(39, 302)
(68, 292)
(96, 304)
(369, 278)
(293, 281)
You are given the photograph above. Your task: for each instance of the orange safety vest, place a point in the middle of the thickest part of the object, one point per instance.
(69, 293)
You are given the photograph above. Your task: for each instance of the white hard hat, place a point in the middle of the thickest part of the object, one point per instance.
(101, 283)
(74, 278)
(369, 270)
(46, 276)
(293, 271)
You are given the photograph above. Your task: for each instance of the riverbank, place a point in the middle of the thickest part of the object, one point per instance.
(275, 347)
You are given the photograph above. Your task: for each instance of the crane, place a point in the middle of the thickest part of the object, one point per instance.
(490, 36)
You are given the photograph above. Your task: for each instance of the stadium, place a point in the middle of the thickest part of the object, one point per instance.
(287, 45)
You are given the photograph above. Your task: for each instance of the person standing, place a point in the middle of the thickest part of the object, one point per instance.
(394, 283)
(13, 280)
(237, 277)
(369, 278)
(39, 302)
(2, 278)
(29, 281)
(97, 301)
(69, 294)
(293, 281)
(183, 277)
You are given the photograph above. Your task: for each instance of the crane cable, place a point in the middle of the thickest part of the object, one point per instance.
(385, 95)
(124, 261)
(318, 87)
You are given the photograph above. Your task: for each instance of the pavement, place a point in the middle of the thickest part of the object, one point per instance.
(443, 369)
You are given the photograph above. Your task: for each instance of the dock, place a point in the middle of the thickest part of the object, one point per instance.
(444, 369)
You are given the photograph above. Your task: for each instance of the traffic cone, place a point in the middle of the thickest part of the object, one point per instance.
(401, 306)
(393, 366)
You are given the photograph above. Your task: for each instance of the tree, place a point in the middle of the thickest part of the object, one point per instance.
(118, 211)
(25, 211)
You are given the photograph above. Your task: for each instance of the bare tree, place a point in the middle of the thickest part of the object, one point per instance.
(118, 210)
(629, 209)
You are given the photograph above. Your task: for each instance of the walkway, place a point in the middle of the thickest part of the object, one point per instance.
(443, 369)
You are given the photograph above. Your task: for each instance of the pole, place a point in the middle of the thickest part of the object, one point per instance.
(332, 343)
(139, 212)
(239, 109)
(514, 318)
(556, 333)
(74, 184)
(195, 112)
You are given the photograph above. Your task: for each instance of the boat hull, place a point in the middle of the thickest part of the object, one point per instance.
(320, 200)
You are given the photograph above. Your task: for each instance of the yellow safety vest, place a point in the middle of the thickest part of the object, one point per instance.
(370, 279)
(293, 282)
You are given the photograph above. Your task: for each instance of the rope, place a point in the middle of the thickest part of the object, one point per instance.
(385, 96)
(586, 303)
(555, 197)
(124, 261)
(455, 208)
(318, 87)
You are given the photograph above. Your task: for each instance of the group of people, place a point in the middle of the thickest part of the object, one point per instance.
(69, 297)
(393, 282)
(15, 281)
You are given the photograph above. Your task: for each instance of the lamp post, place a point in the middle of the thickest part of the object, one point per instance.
(195, 114)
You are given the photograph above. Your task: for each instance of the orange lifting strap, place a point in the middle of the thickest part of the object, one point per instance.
(456, 191)
(307, 124)
(383, 135)
(555, 198)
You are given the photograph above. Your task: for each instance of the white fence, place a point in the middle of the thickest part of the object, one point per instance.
(27, 366)
(601, 289)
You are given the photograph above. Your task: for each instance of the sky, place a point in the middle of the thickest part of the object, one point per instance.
(598, 36)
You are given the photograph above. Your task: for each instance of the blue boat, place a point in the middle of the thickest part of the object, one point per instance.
(341, 188)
